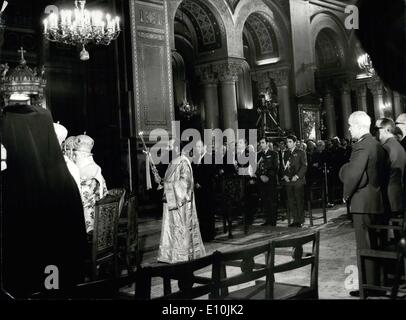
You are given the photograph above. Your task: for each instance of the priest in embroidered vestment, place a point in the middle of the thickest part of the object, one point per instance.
(92, 183)
(180, 236)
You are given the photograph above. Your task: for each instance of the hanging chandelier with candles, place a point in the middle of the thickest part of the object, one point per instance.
(80, 27)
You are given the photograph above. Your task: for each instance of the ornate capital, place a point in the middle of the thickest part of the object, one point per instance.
(206, 74)
(376, 87)
(345, 88)
(281, 77)
(362, 90)
(228, 71)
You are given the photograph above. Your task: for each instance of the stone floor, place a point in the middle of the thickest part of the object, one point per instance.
(337, 265)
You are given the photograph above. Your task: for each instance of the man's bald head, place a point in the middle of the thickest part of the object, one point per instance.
(360, 124)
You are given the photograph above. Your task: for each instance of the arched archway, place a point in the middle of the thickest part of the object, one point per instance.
(270, 12)
(329, 52)
(200, 34)
(261, 50)
(331, 56)
(262, 40)
(330, 26)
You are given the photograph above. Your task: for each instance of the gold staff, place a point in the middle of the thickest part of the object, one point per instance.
(154, 170)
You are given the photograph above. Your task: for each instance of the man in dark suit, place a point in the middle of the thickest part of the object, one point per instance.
(364, 184)
(202, 176)
(267, 172)
(397, 160)
(401, 124)
(244, 160)
(293, 172)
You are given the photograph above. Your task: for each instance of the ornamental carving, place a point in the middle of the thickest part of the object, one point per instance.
(151, 17)
(345, 88)
(281, 77)
(261, 30)
(152, 36)
(106, 216)
(206, 74)
(362, 90)
(376, 87)
(228, 71)
(208, 30)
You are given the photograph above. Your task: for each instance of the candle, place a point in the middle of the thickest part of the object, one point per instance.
(94, 18)
(63, 17)
(45, 25)
(118, 23)
(69, 18)
(77, 15)
(53, 20)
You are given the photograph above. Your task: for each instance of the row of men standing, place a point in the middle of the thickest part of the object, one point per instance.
(287, 167)
(374, 179)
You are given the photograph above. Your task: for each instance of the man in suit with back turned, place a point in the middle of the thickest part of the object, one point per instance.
(364, 184)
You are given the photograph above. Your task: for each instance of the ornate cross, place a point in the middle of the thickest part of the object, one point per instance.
(22, 51)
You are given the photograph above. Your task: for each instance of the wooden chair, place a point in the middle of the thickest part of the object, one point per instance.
(316, 194)
(233, 193)
(128, 236)
(300, 259)
(183, 273)
(249, 271)
(389, 258)
(104, 239)
(121, 193)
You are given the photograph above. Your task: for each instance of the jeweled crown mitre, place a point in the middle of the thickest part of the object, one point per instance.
(22, 79)
(83, 143)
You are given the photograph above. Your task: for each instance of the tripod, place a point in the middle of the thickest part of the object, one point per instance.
(266, 119)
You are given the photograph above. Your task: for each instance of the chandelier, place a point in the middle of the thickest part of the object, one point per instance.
(365, 64)
(80, 26)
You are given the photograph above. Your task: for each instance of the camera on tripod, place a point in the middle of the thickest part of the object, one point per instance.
(268, 110)
(267, 102)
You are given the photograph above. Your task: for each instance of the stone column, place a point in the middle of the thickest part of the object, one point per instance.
(228, 76)
(397, 105)
(330, 114)
(346, 108)
(209, 84)
(245, 100)
(211, 105)
(362, 98)
(377, 91)
(281, 78)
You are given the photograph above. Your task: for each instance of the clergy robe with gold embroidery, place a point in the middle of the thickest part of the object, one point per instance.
(180, 237)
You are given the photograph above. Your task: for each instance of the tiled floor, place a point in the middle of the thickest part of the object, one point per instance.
(337, 253)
